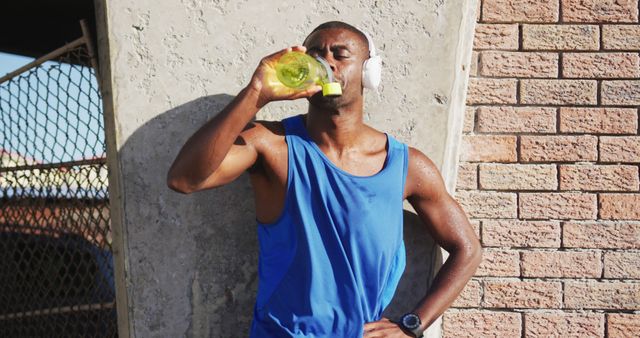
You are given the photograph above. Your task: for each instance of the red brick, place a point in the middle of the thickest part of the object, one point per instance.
(488, 148)
(622, 264)
(560, 37)
(473, 324)
(558, 92)
(621, 92)
(518, 64)
(599, 120)
(601, 234)
(467, 176)
(506, 119)
(496, 36)
(620, 206)
(563, 324)
(602, 295)
(564, 205)
(522, 294)
(620, 149)
(599, 177)
(475, 224)
(517, 233)
(499, 263)
(520, 11)
(491, 91)
(600, 65)
(494, 176)
(487, 204)
(623, 325)
(621, 37)
(561, 264)
(470, 295)
(558, 148)
(598, 11)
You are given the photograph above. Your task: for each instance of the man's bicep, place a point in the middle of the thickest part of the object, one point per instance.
(241, 156)
(444, 218)
(238, 160)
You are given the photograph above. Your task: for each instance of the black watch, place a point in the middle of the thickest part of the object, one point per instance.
(410, 322)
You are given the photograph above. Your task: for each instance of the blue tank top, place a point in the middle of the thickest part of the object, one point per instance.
(332, 260)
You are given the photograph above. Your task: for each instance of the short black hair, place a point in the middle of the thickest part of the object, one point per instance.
(341, 25)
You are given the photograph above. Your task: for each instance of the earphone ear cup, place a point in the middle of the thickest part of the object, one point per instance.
(372, 72)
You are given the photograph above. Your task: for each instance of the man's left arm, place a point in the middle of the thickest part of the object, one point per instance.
(449, 226)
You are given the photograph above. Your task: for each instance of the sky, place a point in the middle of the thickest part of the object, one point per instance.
(54, 115)
(11, 62)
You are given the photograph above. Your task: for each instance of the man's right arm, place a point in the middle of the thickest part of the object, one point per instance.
(223, 148)
(212, 157)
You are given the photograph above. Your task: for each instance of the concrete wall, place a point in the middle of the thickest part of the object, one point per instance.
(186, 265)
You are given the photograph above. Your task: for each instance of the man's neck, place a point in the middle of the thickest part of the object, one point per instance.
(339, 130)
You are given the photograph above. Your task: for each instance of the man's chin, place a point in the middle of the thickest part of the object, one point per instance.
(320, 100)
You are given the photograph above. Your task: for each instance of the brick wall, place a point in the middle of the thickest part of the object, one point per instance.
(549, 171)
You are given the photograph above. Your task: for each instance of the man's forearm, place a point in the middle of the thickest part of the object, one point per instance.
(447, 284)
(204, 151)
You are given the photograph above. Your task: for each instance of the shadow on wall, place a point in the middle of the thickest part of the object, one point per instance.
(193, 258)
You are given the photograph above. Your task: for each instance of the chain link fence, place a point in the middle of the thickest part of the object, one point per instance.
(56, 263)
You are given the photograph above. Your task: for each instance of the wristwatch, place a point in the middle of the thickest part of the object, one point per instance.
(410, 322)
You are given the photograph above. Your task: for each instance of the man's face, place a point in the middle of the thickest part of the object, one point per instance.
(345, 51)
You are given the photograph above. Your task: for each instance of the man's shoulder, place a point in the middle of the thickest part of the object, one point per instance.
(420, 162)
(270, 128)
(274, 129)
(423, 172)
(264, 135)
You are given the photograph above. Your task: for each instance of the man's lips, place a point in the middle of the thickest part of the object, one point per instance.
(342, 83)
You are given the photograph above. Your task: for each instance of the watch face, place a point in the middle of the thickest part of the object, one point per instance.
(411, 321)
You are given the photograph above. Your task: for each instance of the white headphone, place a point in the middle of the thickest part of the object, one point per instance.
(372, 67)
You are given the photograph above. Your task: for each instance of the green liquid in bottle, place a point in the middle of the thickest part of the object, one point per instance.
(299, 70)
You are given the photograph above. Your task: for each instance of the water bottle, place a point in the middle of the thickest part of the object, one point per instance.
(299, 70)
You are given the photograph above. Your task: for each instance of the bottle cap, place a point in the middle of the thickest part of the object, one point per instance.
(331, 89)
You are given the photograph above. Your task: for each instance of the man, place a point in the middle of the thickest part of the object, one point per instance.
(328, 195)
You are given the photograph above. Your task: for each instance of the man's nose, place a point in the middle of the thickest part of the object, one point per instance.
(332, 64)
(328, 56)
